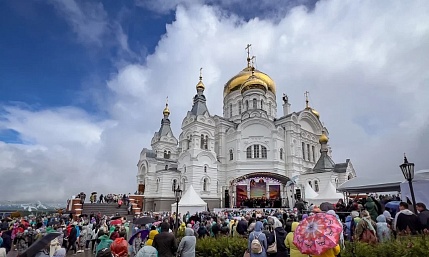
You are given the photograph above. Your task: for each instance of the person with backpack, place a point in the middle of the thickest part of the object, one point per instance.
(257, 243)
(119, 246)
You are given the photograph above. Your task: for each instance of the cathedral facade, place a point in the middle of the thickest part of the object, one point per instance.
(249, 154)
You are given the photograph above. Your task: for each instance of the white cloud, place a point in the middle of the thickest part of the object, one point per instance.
(365, 64)
(88, 20)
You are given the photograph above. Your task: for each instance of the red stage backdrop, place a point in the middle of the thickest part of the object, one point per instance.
(241, 191)
(274, 191)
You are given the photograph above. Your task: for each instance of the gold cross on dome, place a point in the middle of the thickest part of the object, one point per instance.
(248, 54)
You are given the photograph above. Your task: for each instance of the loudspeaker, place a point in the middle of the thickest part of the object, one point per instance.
(226, 198)
(298, 194)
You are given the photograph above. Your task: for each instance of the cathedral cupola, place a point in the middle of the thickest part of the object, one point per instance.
(325, 163)
(200, 85)
(323, 139)
(253, 82)
(166, 111)
(199, 106)
(236, 82)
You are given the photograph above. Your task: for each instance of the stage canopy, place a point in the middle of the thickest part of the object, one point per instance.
(281, 178)
(420, 185)
(191, 202)
(373, 184)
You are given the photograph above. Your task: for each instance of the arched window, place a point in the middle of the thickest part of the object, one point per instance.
(269, 108)
(281, 153)
(174, 185)
(231, 155)
(158, 180)
(311, 184)
(165, 154)
(336, 182)
(308, 152)
(303, 150)
(316, 186)
(230, 110)
(263, 152)
(255, 151)
(217, 186)
(206, 143)
(239, 107)
(262, 104)
(255, 103)
(249, 152)
(166, 167)
(184, 169)
(183, 184)
(350, 176)
(314, 153)
(205, 184)
(205, 169)
(202, 142)
(247, 105)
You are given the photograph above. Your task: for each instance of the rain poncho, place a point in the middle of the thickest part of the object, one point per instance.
(152, 235)
(383, 231)
(105, 242)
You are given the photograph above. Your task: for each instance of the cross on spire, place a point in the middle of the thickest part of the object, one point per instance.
(306, 99)
(201, 73)
(248, 54)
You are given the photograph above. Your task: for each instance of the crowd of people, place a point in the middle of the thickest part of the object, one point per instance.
(106, 236)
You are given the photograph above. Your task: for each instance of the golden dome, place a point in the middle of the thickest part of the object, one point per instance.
(200, 85)
(235, 82)
(323, 139)
(253, 82)
(316, 113)
(166, 111)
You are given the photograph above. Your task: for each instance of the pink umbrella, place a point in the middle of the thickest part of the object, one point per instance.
(318, 233)
(156, 223)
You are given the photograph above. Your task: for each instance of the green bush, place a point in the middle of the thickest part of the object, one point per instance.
(403, 247)
(221, 246)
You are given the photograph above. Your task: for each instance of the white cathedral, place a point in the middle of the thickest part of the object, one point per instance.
(250, 155)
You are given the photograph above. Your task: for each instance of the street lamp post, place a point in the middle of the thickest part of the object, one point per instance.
(407, 169)
(178, 194)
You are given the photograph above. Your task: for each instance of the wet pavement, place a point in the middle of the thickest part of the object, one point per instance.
(87, 253)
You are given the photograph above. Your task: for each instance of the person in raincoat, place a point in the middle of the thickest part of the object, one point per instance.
(366, 223)
(152, 235)
(383, 230)
(257, 233)
(105, 242)
(187, 244)
(294, 252)
(147, 251)
(137, 243)
(372, 208)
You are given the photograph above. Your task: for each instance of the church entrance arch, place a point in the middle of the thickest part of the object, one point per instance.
(258, 190)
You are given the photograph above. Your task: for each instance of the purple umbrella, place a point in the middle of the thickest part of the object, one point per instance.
(144, 233)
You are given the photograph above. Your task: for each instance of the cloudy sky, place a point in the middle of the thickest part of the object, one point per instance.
(83, 83)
